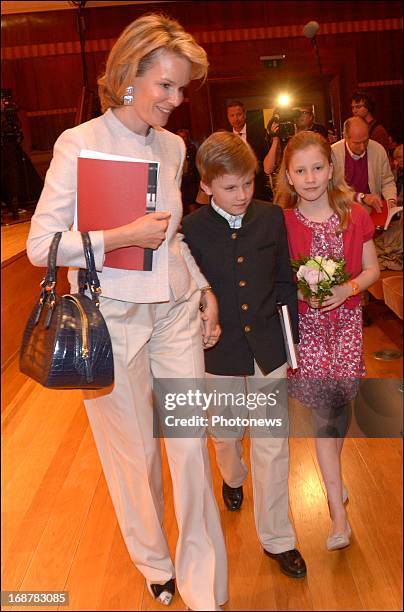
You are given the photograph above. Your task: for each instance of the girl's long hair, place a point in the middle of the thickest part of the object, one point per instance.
(340, 196)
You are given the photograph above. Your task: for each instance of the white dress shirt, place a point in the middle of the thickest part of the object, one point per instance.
(242, 133)
(234, 221)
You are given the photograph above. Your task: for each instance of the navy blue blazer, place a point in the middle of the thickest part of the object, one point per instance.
(249, 271)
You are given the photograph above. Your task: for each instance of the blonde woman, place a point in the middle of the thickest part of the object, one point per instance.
(153, 317)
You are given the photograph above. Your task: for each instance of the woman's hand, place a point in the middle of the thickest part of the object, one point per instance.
(210, 320)
(338, 297)
(147, 232)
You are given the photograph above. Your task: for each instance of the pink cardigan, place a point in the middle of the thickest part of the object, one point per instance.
(360, 229)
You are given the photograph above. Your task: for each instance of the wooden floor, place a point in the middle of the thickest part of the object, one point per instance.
(60, 532)
(13, 239)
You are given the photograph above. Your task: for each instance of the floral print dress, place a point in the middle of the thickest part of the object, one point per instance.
(330, 348)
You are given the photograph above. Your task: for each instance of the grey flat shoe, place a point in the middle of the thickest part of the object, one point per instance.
(340, 540)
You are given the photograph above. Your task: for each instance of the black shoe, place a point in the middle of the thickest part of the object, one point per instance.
(232, 497)
(162, 592)
(291, 563)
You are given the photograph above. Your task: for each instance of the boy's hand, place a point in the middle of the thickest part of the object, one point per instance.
(210, 340)
(210, 320)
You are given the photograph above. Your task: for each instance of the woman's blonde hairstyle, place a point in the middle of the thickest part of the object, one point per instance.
(225, 153)
(340, 196)
(136, 50)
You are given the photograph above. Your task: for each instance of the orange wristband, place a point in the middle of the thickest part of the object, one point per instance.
(355, 287)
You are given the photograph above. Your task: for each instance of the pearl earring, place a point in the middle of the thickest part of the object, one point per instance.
(128, 96)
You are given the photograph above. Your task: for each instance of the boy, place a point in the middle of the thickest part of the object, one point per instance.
(240, 245)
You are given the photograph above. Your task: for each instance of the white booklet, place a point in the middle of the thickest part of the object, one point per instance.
(286, 325)
(392, 212)
(383, 218)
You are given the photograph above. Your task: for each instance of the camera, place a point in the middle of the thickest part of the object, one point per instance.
(285, 118)
(10, 124)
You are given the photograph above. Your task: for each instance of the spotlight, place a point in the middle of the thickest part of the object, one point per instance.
(284, 100)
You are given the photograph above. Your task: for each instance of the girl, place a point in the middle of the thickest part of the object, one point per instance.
(322, 219)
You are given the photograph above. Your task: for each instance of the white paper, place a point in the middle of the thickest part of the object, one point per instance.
(288, 335)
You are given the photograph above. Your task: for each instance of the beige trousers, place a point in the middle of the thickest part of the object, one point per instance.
(269, 465)
(158, 340)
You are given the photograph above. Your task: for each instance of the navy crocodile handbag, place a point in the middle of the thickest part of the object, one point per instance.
(66, 343)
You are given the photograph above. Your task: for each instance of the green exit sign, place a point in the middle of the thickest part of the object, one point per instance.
(272, 61)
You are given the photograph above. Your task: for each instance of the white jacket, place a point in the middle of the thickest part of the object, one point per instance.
(173, 265)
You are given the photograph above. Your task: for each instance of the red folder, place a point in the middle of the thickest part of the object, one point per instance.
(379, 218)
(111, 193)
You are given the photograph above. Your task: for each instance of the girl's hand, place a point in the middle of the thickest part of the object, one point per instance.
(312, 302)
(338, 297)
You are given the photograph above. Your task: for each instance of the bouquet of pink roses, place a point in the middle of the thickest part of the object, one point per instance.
(317, 275)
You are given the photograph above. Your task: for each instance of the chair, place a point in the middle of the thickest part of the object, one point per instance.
(393, 294)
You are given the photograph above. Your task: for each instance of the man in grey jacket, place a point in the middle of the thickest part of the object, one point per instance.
(365, 165)
(366, 168)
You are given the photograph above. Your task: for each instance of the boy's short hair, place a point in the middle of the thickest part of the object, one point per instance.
(225, 153)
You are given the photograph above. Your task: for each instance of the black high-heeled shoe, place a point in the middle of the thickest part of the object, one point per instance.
(163, 593)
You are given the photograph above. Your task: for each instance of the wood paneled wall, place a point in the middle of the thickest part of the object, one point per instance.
(359, 42)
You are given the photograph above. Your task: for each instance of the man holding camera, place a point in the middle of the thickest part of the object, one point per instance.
(283, 125)
(305, 121)
(278, 133)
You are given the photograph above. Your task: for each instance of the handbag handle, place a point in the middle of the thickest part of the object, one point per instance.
(49, 281)
(92, 280)
(86, 277)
